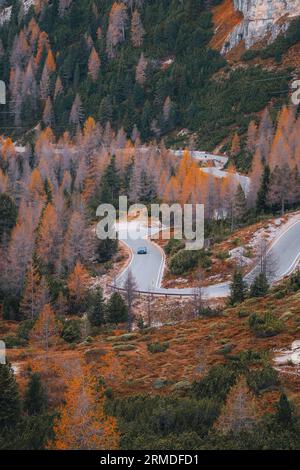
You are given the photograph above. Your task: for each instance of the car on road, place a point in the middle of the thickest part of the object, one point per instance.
(142, 250)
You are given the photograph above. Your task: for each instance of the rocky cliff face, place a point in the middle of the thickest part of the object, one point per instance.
(262, 19)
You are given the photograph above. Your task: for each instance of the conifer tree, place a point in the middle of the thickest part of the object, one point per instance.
(137, 30)
(110, 184)
(238, 413)
(239, 205)
(262, 195)
(96, 307)
(83, 423)
(45, 328)
(117, 310)
(78, 284)
(260, 286)
(140, 73)
(94, 64)
(284, 414)
(35, 401)
(238, 288)
(8, 215)
(10, 405)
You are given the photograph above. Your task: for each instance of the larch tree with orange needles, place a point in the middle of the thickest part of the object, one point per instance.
(58, 89)
(83, 423)
(94, 65)
(30, 302)
(235, 145)
(49, 236)
(116, 28)
(43, 45)
(48, 114)
(50, 62)
(36, 187)
(78, 284)
(137, 29)
(251, 136)
(140, 72)
(45, 329)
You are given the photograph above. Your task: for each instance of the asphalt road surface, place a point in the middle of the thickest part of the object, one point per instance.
(148, 269)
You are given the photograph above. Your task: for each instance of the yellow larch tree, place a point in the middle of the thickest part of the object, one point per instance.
(36, 187)
(78, 284)
(48, 237)
(50, 62)
(83, 423)
(45, 329)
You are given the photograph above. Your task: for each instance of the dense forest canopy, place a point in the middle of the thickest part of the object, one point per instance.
(133, 63)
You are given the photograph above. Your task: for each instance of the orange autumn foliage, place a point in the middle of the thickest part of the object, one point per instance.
(45, 328)
(43, 43)
(78, 282)
(83, 424)
(89, 126)
(36, 186)
(50, 62)
(48, 235)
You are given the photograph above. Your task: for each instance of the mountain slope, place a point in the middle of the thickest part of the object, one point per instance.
(136, 64)
(261, 19)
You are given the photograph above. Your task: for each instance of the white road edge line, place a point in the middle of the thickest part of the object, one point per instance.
(163, 262)
(128, 265)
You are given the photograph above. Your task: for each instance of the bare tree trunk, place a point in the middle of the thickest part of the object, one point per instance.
(130, 294)
(198, 301)
(149, 308)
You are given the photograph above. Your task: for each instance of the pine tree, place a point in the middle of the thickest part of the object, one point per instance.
(63, 6)
(106, 249)
(61, 305)
(262, 195)
(8, 215)
(238, 288)
(35, 400)
(260, 286)
(10, 405)
(284, 414)
(110, 184)
(239, 205)
(117, 310)
(96, 307)
(280, 191)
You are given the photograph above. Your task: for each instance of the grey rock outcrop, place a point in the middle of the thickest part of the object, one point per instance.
(262, 19)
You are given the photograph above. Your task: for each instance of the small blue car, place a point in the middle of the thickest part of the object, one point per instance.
(142, 250)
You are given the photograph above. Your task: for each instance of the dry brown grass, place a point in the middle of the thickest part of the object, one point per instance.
(194, 346)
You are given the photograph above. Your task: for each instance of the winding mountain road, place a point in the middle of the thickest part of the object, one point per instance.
(148, 269)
